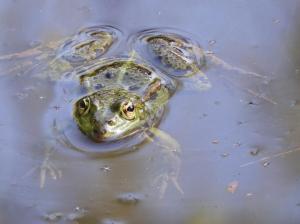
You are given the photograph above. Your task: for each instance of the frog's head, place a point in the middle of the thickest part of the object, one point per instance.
(110, 114)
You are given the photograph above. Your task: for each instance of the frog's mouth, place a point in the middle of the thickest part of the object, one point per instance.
(105, 133)
(99, 135)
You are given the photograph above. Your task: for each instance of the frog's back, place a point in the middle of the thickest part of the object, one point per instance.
(122, 73)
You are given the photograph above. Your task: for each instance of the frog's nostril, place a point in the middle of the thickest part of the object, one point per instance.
(99, 132)
(111, 122)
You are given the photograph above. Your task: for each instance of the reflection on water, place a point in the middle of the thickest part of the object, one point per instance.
(223, 178)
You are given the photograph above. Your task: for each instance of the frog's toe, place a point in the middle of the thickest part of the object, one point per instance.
(197, 82)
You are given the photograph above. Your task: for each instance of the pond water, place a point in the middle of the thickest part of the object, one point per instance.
(239, 159)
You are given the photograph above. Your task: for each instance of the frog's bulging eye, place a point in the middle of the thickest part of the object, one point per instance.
(128, 110)
(84, 106)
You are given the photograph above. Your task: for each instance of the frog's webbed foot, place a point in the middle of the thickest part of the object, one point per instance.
(170, 151)
(196, 80)
(25, 61)
(48, 167)
(162, 181)
(217, 61)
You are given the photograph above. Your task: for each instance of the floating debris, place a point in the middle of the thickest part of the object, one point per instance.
(251, 102)
(267, 163)
(225, 154)
(237, 144)
(56, 107)
(21, 95)
(232, 186)
(295, 103)
(254, 151)
(212, 42)
(215, 141)
(105, 168)
(249, 194)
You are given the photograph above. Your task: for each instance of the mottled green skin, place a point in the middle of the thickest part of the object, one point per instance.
(113, 84)
(53, 59)
(173, 52)
(88, 44)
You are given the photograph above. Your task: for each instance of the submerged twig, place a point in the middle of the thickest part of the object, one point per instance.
(227, 66)
(292, 150)
(23, 54)
(251, 92)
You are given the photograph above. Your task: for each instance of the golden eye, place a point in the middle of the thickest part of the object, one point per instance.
(84, 105)
(128, 110)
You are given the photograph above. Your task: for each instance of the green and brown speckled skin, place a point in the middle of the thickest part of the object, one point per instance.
(113, 83)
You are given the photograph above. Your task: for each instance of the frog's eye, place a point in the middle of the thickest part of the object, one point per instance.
(128, 110)
(84, 106)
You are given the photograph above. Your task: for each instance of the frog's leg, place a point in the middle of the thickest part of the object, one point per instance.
(217, 61)
(264, 79)
(21, 61)
(48, 167)
(196, 80)
(27, 60)
(170, 151)
(33, 52)
(199, 81)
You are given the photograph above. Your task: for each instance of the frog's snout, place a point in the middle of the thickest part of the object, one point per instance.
(99, 134)
(103, 130)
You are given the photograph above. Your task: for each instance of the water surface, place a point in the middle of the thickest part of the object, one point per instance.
(239, 160)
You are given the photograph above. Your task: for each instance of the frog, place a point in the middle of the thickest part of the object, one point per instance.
(175, 53)
(123, 98)
(55, 58)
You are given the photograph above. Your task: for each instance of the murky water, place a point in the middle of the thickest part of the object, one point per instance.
(239, 151)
